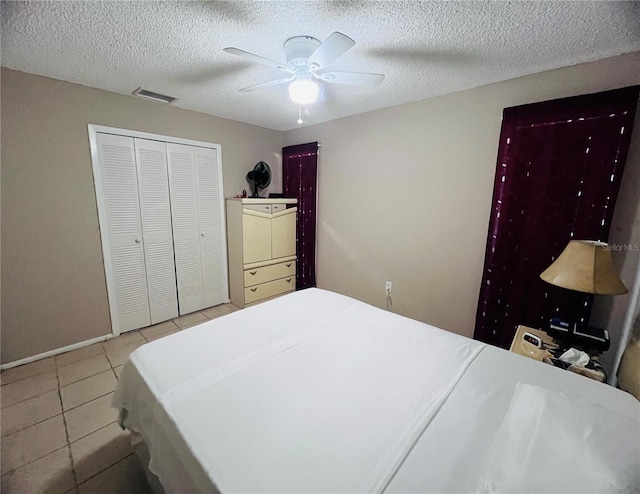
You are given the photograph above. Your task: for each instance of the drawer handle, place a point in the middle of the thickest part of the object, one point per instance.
(289, 265)
(252, 272)
(253, 289)
(289, 280)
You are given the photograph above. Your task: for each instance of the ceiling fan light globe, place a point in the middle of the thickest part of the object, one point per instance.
(303, 92)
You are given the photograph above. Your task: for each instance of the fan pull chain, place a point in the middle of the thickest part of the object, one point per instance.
(300, 115)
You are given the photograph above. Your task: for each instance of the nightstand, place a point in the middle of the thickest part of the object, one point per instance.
(593, 370)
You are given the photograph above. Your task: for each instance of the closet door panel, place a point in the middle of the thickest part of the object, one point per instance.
(155, 209)
(186, 232)
(127, 272)
(189, 271)
(212, 248)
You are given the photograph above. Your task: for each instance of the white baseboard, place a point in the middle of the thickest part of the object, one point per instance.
(57, 351)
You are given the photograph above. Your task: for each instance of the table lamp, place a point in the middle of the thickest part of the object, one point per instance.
(584, 266)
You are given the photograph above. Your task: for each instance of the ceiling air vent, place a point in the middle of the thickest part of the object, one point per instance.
(161, 98)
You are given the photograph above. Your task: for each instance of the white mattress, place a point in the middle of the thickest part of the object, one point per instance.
(316, 392)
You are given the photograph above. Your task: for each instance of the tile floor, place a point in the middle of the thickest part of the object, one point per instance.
(59, 432)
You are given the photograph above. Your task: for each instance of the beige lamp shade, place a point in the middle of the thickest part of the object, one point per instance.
(585, 266)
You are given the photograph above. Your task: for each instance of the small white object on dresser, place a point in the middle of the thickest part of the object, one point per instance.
(261, 237)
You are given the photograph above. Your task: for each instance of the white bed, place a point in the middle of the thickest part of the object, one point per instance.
(317, 392)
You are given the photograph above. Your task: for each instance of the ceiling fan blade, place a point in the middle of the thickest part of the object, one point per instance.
(258, 59)
(267, 84)
(352, 78)
(336, 45)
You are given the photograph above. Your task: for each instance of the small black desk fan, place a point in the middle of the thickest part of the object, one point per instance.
(260, 176)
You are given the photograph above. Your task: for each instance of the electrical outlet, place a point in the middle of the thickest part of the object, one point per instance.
(388, 286)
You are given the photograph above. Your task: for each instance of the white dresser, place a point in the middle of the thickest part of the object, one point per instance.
(261, 237)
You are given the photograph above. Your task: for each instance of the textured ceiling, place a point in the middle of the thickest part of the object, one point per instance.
(424, 48)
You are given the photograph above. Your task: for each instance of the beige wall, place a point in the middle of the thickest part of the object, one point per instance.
(405, 192)
(404, 195)
(53, 284)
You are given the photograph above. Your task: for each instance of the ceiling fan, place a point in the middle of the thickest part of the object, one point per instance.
(306, 60)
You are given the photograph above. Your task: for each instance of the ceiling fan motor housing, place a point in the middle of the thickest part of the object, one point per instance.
(298, 49)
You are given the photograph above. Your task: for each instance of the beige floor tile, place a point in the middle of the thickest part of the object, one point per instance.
(28, 388)
(122, 340)
(119, 356)
(125, 477)
(157, 337)
(157, 329)
(100, 450)
(217, 311)
(189, 320)
(27, 370)
(79, 354)
(118, 370)
(32, 443)
(90, 417)
(29, 412)
(50, 474)
(88, 389)
(83, 368)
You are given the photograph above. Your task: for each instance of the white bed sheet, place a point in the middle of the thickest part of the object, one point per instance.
(537, 422)
(450, 455)
(316, 392)
(284, 397)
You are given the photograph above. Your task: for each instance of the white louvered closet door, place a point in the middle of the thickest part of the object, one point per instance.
(119, 188)
(212, 248)
(186, 231)
(155, 209)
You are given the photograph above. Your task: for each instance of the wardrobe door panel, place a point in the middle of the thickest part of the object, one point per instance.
(155, 209)
(186, 232)
(124, 257)
(212, 248)
(283, 233)
(256, 230)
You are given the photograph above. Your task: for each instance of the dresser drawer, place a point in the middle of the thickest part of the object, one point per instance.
(265, 208)
(269, 273)
(258, 292)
